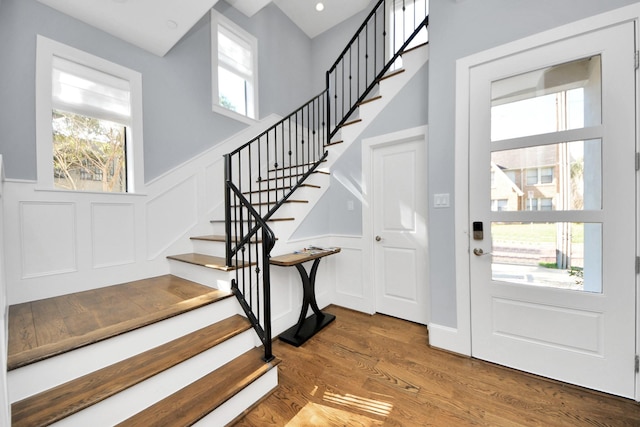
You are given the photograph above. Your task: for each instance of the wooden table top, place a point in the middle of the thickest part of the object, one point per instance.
(288, 260)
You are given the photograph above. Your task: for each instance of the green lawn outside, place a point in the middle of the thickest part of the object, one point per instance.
(533, 232)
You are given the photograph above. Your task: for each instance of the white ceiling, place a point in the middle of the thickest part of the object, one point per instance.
(312, 22)
(157, 25)
(153, 25)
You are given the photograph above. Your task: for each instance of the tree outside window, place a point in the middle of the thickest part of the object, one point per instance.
(88, 153)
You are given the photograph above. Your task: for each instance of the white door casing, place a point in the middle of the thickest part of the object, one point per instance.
(395, 221)
(584, 338)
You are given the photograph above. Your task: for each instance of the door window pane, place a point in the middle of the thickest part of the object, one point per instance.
(557, 255)
(574, 182)
(561, 97)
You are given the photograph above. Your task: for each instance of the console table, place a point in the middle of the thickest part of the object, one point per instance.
(306, 326)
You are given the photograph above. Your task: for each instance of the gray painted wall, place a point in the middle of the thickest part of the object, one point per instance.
(330, 214)
(178, 121)
(327, 46)
(459, 29)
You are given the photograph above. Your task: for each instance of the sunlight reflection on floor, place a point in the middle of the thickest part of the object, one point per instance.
(314, 414)
(362, 403)
(358, 411)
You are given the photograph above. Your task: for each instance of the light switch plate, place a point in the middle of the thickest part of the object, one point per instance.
(441, 200)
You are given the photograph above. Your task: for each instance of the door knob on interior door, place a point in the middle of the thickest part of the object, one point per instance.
(378, 238)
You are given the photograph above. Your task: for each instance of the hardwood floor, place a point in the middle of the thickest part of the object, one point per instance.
(379, 371)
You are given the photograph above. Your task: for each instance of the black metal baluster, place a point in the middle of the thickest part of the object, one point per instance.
(290, 155)
(285, 167)
(267, 168)
(404, 21)
(327, 78)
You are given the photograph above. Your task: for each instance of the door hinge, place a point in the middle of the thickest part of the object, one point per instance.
(637, 59)
(638, 265)
(637, 363)
(637, 161)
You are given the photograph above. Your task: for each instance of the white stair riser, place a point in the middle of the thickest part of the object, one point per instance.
(211, 277)
(207, 247)
(235, 406)
(31, 379)
(139, 397)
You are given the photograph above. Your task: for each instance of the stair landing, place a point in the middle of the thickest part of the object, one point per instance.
(52, 326)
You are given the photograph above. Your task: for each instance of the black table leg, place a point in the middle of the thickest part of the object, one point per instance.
(307, 327)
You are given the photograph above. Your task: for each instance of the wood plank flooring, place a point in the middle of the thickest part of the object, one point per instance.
(379, 371)
(47, 327)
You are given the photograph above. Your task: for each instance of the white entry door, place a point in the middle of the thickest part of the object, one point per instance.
(399, 226)
(552, 199)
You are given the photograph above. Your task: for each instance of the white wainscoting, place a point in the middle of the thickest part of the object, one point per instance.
(113, 231)
(5, 417)
(171, 215)
(48, 239)
(58, 242)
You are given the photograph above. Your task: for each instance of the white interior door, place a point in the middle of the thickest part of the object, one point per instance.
(552, 184)
(399, 226)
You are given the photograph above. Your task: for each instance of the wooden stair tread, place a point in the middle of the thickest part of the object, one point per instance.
(282, 168)
(220, 238)
(59, 402)
(366, 101)
(200, 398)
(292, 176)
(269, 220)
(415, 47)
(334, 143)
(273, 202)
(392, 74)
(209, 261)
(352, 122)
(178, 296)
(265, 190)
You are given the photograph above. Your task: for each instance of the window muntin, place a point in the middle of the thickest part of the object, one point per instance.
(547, 100)
(234, 69)
(81, 101)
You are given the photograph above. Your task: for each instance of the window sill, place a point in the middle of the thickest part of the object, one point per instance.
(84, 192)
(233, 115)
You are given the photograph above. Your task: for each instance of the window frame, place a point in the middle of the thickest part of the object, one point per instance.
(134, 154)
(219, 20)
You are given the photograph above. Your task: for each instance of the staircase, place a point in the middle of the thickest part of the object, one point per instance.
(194, 346)
(262, 175)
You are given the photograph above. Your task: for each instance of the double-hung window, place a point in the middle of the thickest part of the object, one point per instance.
(234, 69)
(89, 135)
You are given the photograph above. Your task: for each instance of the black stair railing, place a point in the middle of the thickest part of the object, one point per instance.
(262, 174)
(390, 27)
